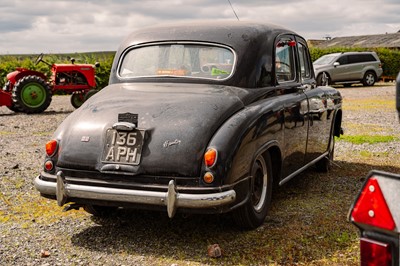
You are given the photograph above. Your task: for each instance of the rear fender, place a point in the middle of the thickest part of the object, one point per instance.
(16, 75)
(251, 131)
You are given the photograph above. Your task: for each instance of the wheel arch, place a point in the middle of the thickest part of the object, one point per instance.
(337, 126)
(275, 155)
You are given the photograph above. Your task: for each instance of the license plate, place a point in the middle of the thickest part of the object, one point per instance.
(124, 147)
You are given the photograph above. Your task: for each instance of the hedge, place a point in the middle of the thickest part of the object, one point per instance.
(9, 63)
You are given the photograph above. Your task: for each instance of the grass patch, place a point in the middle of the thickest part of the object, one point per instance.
(369, 104)
(370, 139)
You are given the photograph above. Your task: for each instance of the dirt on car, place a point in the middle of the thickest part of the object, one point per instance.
(307, 224)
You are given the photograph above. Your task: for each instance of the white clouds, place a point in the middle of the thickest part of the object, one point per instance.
(34, 26)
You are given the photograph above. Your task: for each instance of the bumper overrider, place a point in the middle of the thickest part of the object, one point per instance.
(171, 198)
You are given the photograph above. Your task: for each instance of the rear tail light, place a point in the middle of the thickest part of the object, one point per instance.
(371, 207)
(210, 157)
(374, 253)
(51, 147)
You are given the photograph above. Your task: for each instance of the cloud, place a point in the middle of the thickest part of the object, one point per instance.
(34, 26)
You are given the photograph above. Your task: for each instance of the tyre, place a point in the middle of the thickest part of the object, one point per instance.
(369, 78)
(7, 88)
(77, 99)
(31, 94)
(100, 211)
(325, 164)
(252, 214)
(90, 94)
(321, 81)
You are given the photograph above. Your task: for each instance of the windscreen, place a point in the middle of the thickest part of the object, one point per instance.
(183, 60)
(325, 60)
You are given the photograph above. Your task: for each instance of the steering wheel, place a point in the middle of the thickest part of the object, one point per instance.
(39, 59)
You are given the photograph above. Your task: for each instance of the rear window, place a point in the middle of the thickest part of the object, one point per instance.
(182, 60)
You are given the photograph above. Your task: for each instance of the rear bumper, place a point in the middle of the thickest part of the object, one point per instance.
(170, 198)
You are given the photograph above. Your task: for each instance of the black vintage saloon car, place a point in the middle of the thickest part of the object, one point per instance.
(203, 117)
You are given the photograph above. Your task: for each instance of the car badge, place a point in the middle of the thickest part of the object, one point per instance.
(85, 138)
(128, 117)
(169, 143)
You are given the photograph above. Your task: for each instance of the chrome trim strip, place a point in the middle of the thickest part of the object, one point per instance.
(283, 181)
(171, 199)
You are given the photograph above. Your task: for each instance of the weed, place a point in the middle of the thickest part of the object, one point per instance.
(370, 139)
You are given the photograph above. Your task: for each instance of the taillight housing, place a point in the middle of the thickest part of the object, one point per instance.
(371, 207)
(51, 147)
(374, 253)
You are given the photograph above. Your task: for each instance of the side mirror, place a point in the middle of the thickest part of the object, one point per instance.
(398, 94)
(97, 64)
(336, 64)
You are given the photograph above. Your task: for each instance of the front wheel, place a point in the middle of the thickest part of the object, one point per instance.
(369, 78)
(252, 214)
(77, 99)
(31, 94)
(323, 79)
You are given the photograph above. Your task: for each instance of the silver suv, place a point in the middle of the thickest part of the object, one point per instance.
(348, 68)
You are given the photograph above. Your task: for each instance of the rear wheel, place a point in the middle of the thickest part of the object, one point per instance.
(253, 213)
(7, 88)
(31, 94)
(369, 78)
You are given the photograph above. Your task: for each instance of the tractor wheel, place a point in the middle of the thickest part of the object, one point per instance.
(31, 94)
(90, 94)
(77, 99)
(7, 88)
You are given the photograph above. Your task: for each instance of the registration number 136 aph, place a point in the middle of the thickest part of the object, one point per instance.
(123, 147)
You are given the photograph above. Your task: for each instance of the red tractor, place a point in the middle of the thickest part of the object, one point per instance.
(30, 91)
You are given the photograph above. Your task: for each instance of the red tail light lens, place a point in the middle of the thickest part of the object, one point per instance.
(51, 147)
(371, 207)
(210, 157)
(375, 253)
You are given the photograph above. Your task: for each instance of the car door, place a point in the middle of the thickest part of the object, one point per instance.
(295, 105)
(341, 72)
(318, 115)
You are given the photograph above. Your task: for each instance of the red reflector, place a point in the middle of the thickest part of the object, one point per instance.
(48, 165)
(371, 207)
(51, 147)
(374, 253)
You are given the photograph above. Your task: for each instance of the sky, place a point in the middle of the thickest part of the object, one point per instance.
(52, 26)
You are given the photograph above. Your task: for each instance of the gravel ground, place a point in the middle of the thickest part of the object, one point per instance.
(34, 231)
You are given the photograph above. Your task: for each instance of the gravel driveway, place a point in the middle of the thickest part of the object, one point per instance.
(35, 231)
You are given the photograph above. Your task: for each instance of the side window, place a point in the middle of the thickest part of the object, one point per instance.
(284, 60)
(305, 64)
(343, 60)
(353, 59)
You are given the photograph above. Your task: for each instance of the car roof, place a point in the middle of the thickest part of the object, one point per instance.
(251, 41)
(232, 33)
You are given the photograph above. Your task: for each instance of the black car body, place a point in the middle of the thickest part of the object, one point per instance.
(196, 118)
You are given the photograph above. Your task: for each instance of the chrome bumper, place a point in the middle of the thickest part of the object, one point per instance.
(171, 199)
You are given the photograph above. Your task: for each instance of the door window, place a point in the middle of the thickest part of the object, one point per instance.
(284, 60)
(305, 64)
